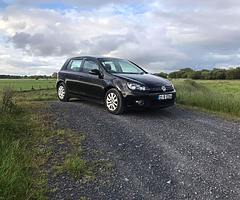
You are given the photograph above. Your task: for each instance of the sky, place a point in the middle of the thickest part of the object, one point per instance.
(36, 37)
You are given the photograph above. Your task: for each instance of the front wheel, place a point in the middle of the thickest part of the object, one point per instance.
(114, 102)
(62, 92)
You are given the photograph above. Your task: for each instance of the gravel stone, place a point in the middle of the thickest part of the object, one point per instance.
(165, 154)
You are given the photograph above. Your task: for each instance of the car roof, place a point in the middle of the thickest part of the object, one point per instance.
(93, 57)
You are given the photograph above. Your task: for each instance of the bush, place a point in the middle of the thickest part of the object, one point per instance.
(162, 74)
(214, 74)
(233, 73)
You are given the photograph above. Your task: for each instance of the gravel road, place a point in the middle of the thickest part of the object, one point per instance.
(159, 154)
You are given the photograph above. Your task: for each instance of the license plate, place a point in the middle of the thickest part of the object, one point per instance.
(164, 96)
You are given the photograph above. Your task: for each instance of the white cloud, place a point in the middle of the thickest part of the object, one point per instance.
(165, 35)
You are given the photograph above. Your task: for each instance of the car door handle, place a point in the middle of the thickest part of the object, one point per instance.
(79, 77)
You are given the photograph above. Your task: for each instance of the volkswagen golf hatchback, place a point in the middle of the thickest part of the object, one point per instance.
(115, 82)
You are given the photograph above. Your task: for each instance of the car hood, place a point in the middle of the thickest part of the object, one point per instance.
(146, 79)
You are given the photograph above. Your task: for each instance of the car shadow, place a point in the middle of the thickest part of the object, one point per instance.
(170, 112)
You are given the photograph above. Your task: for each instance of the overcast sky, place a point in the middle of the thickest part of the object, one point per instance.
(36, 37)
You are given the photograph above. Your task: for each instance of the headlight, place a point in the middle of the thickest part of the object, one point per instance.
(135, 86)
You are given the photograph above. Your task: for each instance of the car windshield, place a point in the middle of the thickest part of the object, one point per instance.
(121, 66)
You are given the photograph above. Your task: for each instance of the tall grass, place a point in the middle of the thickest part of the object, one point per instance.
(195, 94)
(7, 100)
(14, 178)
(14, 168)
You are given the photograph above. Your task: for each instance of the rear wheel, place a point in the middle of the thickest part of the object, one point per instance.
(62, 92)
(114, 102)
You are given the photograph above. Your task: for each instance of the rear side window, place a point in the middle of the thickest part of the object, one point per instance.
(74, 65)
(89, 65)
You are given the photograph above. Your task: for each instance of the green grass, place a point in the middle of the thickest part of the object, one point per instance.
(231, 87)
(15, 162)
(76, 166)
(27, 84)
(36, 95)
(24, 135)
(14, 181)
(217, 96)
(22, 132)
(26, 146)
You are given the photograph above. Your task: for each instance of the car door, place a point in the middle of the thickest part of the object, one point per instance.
(73, 77)
(93, 84)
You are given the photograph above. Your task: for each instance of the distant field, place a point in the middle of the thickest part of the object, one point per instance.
(222, 86)
(27, 84)
(215, 95)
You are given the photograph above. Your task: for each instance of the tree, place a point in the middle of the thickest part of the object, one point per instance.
(206, 74)
(233, 73)
(172, 75)
(182, 73)
(162, 74)
(195, 75)
(218, 74)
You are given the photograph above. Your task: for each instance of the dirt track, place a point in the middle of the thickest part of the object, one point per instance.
(162, 154)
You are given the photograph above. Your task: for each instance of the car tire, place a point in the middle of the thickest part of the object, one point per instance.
(62, 92)
(114, 101)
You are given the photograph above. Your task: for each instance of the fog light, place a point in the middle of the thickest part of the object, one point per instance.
(140, 102)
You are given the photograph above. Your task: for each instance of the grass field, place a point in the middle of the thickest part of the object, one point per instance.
(27, 84)
(25, 146)
(221, 96)
(213, 95)
(23, 132)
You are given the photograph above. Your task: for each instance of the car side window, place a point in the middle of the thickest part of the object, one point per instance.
(109, 66)
(89, 65)
(127, 67)
(74, 65)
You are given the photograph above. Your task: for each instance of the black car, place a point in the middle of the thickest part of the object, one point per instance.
(117, 83)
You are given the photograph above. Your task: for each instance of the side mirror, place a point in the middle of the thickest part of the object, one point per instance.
(95, 72)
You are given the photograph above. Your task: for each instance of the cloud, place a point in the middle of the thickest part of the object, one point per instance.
(40, 44)
(69, 33)
(92, 4)
(160, 35)
(201, 4)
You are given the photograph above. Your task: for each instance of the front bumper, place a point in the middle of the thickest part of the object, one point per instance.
(149, 100)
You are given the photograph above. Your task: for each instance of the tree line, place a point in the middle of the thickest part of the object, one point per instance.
(36, 77)
(232, 73)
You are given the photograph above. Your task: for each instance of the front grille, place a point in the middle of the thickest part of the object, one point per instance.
(169, 88)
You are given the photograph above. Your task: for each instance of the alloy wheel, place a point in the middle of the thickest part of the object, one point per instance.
(112, 101)
(61, 92)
